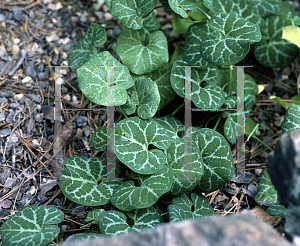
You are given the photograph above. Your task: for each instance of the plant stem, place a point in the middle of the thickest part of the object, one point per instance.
(207, 16)
(230, 77)
(123, 112)
(175, 111)
(210, 120)
(106, 46)
(217, 123)
(54, 243)
(264, 144)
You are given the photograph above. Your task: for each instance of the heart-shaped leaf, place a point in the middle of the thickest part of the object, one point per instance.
(167, 8)
(277, 210)
(267, 7)
(131, 13)
(140, 53)
(228, 40)
(204, 89)
(94, 214)
(272, 50)
(128, 197)
(286, 103)
(32, 225)
(144, 96)
(217, 158)
(151, 23)
(132, 139)
(95, 36)
(292, 34)
(92, 79)
(172, 126)
(79, 181)
(99, 138)
(181, 6)
(230, 128)
(266, 192)
(244, 8)
(186, 174)
(115, 223)
(181, 209)
(162, 79)
(291, 120)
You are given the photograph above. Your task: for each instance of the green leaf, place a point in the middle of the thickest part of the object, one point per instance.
(180, 25)
(266, 193)
(186, 175)
(145, 96)
(99, 138)
(151, 23)
(181, 209)
(162, 79)
(204, 89)
(131, 13)
(132, 139)
(230, 129)
(226, 39)
(287, 103)
(92, 79)
(115, 223)
(267, 7)
(172, 126)
(181, 6)
(167, 8)
(32, 225)
(244, 8)
(140, 53)
(291, 120)
(272, 50)
(277, 210)
(95, 36)
(108, 3)
(177, 52)
(79, 181)
(128, 197)
(94, 214)
(292, 34)
(217, 158)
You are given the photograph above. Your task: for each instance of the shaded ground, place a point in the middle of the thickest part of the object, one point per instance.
(37, 34)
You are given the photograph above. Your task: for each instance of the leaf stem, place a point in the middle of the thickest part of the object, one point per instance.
(106, 46)
(175, 111)
(264, 144)
(210, 120)
(123, 112)
(218, 121)
(207, 16)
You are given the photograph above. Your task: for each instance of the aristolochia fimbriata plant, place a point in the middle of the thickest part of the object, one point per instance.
(151, 148)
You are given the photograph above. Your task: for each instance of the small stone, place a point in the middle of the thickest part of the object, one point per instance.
(67, 97)
(99, 14)
(52, 37)
(17, 97)
(2, 17)
(74, 99)
(26, 80)
(17, 40)
(15, 49)
(86, 132)
(83, 18)
(43, 76)
(18, 13)
(81, 121)
(12, 140)
(3, 101)
(30, 71)
(55, 7)
(6, 94)
(35, 98)
(14, 105)
(2, 116)
(5, 132)
(108, 16)
(39, 117)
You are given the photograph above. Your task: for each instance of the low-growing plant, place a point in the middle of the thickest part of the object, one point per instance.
(151, 148)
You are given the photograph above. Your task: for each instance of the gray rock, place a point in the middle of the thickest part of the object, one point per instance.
(5, 132)
(18, 13)
(30, 71)
(81, 121)
(6, 94)
(233, 230)
(3, 101)
(2, 116)
(14, 105)
(12, 140)
(283, 166)
(35, 98)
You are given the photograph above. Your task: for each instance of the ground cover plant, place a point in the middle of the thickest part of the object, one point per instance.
(154, 177)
